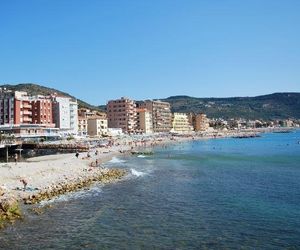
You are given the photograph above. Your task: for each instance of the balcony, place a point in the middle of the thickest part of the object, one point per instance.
(26, 106)
(26, 112)
(27, 119)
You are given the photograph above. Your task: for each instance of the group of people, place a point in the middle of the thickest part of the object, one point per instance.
(92, 164)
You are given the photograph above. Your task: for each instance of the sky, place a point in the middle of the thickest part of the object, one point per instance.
(99, 50)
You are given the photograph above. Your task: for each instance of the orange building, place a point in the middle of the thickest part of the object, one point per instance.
(42, 111)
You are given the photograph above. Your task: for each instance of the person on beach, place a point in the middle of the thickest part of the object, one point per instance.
(24, 183)
(16, 158)
(77, 154)
(96, 163)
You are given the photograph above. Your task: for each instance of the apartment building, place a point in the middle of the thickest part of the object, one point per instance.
(42, 110)
(97, 126)
(65, 114)
(15, 107)
(161, 115)
(144, 121)
(74, 117)
(200, 122)
(82, 125)
(181, 123)
(122, 114)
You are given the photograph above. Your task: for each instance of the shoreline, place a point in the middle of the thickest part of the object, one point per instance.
(43, 171)
(53, 175)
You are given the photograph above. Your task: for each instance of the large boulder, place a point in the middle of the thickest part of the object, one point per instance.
(8, 202)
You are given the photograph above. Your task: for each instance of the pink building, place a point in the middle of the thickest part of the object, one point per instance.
(122, 114)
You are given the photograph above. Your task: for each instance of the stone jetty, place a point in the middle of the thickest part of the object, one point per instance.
(9, 204)
(101, 176)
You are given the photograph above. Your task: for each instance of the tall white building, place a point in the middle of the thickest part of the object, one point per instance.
(65, 114)
(74, 117)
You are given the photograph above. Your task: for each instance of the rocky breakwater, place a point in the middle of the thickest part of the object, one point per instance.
(9, 208)
(84, 181)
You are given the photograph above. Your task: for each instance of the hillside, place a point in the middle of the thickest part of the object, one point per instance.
(35, 89)
(273, 106)
(266, 107)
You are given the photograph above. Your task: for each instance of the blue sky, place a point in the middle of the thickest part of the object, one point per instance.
(100, 50)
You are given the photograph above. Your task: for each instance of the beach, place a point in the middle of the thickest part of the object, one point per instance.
(44, 177)
(44, 172)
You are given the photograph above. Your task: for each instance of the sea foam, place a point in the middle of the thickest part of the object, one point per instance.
(93, 191)
(136, 173)
(116, 160)
(141, 156)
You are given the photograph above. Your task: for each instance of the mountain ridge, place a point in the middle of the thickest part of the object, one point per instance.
(279, 105)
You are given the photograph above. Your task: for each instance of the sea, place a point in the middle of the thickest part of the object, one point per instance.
(207, 194)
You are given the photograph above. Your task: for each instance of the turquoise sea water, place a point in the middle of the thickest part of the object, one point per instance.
(212, 194)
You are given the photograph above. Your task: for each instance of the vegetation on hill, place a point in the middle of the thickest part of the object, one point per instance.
(266, 107)
(35, 89)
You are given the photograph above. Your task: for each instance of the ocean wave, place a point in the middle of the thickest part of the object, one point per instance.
(136, 173)
(141, 156)
(116, 160)
(93, 191)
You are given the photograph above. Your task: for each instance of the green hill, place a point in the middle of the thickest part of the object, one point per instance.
(267, 107)
(35, 89)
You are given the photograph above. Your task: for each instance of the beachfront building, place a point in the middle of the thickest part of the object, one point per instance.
(74, 117)
(122, 114)
(15, 107)
(65, 114)
(144, 121)
(42, 110)
(82, 125)
(84, 115)
(18, 108)
(30, 130)
(97, 126)
(181, 123)
(91, 113)
(161, 114)
(61, 112)
(201, 122)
